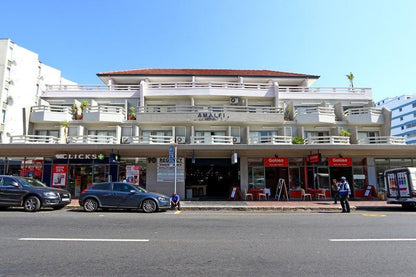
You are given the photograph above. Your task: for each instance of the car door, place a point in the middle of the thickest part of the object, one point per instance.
(126, 199)
(104, 192)
(10, 194)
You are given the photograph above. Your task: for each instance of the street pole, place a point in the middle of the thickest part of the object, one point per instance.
(176, 156)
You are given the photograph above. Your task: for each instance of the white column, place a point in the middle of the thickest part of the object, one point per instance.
(118, 134)
(276, 94)
(371, 172)
(143, 91)
(243, 173)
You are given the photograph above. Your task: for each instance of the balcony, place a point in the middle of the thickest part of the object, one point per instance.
(315, 115)
(212, 140)
(211, 89)
(104, 114)
(328, 140)
(382, 140)
(364, 116)
(210, 114)
(91, 91)
(153, 139)
(325, 93)
(34, 139)
(92, 139)
(270, 140)
(41, 114)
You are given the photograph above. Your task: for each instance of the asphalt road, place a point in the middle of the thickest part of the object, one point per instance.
(75, 243)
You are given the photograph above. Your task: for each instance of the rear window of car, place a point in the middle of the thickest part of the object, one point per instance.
(103, 186)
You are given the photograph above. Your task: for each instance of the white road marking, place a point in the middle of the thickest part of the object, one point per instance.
(87, 240)
(371, 240)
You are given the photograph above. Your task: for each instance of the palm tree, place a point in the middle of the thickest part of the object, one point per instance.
(65, 125)
(351, 79)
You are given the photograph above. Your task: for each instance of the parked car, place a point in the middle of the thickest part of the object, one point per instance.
(30, 194)
(122, 196)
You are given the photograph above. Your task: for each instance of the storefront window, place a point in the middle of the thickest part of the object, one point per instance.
(134, 169)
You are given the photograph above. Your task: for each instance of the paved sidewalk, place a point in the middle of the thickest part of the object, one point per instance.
(323, 205)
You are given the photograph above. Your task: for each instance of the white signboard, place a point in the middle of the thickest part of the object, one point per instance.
(166, 173)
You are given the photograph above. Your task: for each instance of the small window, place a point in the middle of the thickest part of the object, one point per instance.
(122, 187)
(402, 127)
(401, 118)
(102, 186)
(414, 105)
(400, 109)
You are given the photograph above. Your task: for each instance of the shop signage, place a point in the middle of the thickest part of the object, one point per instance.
(79, 156)
(316, 158)
(133, 174)
(339, 161)
(59, 175)
(276, 162)
(211, 116)
(166, 173)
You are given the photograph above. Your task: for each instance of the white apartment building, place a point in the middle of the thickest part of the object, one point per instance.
(245, 129)
(22, 79)
(403, 120)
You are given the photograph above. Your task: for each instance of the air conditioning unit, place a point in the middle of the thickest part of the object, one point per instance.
(236, 140)
(234, 100)
(180, 139)
(126, 140)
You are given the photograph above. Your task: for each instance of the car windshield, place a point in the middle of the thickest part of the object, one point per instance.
(26, 182)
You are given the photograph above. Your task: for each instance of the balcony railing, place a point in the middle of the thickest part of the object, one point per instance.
(315, 115)
(225, 85)
(382, 140)
(34, 139)
(364, 116)
(216, 109)
(153, 139)
(328, 140)
(104, 113)
(91, 87)
(212, 140)
(50, 113)
(270, 140)
(92, 139)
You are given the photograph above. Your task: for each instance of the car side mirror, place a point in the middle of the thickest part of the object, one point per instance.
(15, 184)
(133, 191)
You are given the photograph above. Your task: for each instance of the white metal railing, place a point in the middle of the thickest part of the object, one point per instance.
(225, 85)
(218, 109)
(373, 111)
(33, 139)
(323, 90)
(315, 110)
(106, 109)
(382, 140)
(270, 140)
(152, 139)
(92, 139)
(212, 140)
(91, 87)
(55, 109)
(328, 140)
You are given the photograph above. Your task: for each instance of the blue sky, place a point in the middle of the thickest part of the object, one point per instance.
(375, 40)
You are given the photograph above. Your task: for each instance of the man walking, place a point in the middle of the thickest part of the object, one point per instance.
(344, 194)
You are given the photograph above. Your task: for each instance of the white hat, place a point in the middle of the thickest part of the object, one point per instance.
(343, 178)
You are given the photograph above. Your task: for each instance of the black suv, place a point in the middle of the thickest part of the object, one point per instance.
(31, 194)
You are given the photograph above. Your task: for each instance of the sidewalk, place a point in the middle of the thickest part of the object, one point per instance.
(280, 206)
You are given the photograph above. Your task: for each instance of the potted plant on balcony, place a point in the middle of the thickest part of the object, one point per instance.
(132, 113)
(65, 125)
(344, 133)
(286, 115)
(75, 112)
(83, 104)
(298, 140)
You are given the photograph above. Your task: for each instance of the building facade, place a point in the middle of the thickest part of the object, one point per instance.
(23, 77)
(245, 129)
(403, 121)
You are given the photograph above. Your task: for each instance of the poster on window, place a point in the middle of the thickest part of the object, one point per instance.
(59, 175)
(133, 174)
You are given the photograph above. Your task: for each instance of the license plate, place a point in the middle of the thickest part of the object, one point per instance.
(65, 199)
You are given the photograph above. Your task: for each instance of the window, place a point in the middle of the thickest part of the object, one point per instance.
(401, 118)
(402, 127)
(7, 182)
(103, 186)
(122, 187)
(3, 119)
(414, 105)
(53, 133)
(400, 109)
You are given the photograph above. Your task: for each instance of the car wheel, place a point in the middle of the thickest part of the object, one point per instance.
(57, 207)
(31, 204)
(149, 206)
(90, 205)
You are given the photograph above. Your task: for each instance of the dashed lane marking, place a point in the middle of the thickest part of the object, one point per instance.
(84, 240)
(372, 240)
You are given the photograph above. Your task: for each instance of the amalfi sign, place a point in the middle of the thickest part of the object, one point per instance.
(211, 116)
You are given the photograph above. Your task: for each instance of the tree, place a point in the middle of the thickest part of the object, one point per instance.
(351, 79)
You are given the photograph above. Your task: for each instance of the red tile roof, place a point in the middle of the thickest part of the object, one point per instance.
(206, 72)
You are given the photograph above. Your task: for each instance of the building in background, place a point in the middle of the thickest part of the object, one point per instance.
(251, 130)
(403, 119)
(22, 80)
